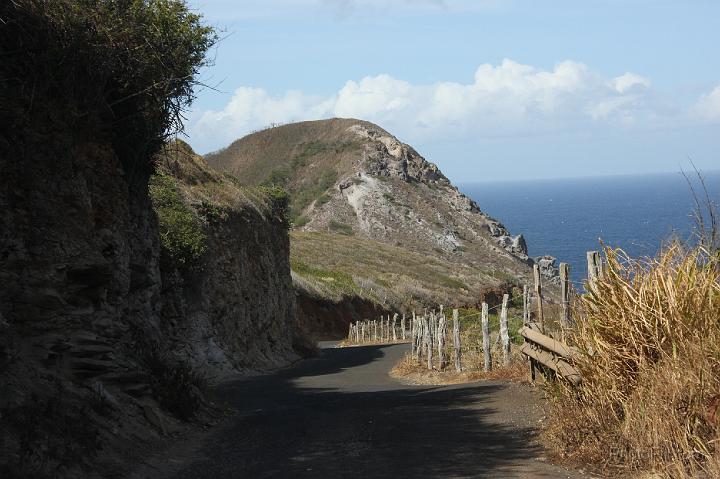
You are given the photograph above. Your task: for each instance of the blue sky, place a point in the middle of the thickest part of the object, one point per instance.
(487, 89)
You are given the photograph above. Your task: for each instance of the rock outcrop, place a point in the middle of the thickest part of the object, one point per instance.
(103, 339)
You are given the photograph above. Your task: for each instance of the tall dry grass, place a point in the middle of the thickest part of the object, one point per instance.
(649, 335)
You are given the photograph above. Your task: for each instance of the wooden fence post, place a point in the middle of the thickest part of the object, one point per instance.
(441, 342)
(565, 290)
(504, 334)
(526, 311)
(357, 332)
(394, 327)
(420, 338)
(402, 326)
(595, 269)
(486, 337)
(539, 299)
(428, 344)
(456, 340)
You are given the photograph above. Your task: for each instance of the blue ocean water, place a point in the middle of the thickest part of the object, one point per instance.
(566, 218)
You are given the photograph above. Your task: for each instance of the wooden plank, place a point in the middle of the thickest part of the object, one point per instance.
(547, 342)
(486, 338)
(504, 334)
(456, 340)
(561, 367)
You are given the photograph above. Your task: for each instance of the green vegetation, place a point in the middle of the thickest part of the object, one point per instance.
(300, 221)
(334, 279)
(181, 233)
(279, 201)
(324, 198)
(304, 190)
(470, 320)
(338, 227)
(452, 282)
(309, 189)
(126, 68)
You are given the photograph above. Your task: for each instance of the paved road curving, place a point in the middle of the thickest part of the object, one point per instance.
(341, 415)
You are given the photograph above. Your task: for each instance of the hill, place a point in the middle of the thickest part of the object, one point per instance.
(354, 187)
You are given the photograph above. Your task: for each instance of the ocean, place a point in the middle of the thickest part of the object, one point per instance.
(566, 218)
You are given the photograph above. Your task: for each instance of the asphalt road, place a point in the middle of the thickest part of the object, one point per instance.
(341, 415)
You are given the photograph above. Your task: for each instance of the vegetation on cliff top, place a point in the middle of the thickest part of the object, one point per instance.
(126, 68)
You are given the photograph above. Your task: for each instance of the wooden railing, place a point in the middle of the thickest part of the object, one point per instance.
(539, 344)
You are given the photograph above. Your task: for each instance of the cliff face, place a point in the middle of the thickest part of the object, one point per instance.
(234, 308)
(104, 337)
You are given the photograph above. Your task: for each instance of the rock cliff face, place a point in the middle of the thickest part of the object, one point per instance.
(104, 338)
(235, 308)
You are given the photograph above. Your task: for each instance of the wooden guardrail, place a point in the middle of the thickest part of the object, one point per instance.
(539, 346)
(549, 352)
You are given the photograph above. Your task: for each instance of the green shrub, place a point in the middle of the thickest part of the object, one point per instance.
(342, 228)
(324, 198)
(452, 282)
(300, 221)
(181, 233)
(124, 69)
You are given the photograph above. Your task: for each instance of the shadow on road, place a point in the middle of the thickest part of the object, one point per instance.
(339, 415)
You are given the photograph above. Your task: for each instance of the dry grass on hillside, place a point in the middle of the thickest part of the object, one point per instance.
(332, 265)
(650, 340)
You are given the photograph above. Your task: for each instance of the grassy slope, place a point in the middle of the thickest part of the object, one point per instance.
(336, 265)
(305, 158)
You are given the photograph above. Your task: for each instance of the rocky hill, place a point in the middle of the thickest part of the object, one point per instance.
(363, 189)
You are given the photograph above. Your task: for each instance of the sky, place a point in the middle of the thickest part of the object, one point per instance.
(486, 89)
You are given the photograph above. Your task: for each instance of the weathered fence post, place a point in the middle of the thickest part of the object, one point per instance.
(594, 263)
(565, 290)
(456, 340)
(504, 334)
(539, 299)
(526, 301)
(486, 337)
(428, 343)
(357, 332)
(402, 326)
(420, 338)
(394, 327)
(441, 342)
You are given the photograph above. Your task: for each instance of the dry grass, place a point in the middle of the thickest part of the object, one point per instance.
(335, 265)
(649, 333)
(416, 372)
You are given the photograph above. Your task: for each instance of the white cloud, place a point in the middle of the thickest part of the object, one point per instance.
(628, 81)
(510, 99)
(708, 106)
